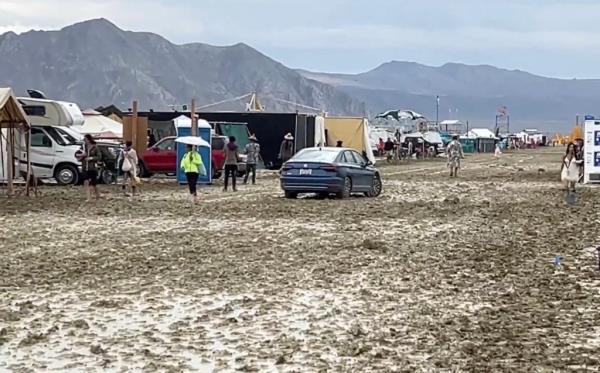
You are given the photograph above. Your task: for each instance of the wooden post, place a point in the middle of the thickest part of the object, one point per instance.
(193, 117)
(134, 123)
(10, 147)
(28, 139)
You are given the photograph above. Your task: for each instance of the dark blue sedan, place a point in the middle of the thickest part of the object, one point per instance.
(330, 170)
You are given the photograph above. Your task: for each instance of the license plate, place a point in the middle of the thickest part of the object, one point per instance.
(305, 172)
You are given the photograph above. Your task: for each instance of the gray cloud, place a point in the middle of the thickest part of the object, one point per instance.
(545, 36)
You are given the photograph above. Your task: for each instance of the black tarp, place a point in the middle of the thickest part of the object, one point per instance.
(269, 128)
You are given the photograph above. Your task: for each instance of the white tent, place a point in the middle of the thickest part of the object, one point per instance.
(480, 133)
(100, 126)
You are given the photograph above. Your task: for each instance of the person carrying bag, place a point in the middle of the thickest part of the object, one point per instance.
(129, 168)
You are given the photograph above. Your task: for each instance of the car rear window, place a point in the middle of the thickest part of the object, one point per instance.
(316, 155)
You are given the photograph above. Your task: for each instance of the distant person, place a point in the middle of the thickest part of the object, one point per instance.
(454, 153)
(286, 150)
(90, 157)
(389, 149)
(252, 157)
(129, 164)
(340, 144)
(193, 166)
(498, 151)
(569, 170)
(411, 149)
(232, 158)
(151, 139)
(380, 147)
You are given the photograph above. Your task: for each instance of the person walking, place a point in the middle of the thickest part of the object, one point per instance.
(569, 170)
(389, 149)
(129, 164)
(193, 166)
(232, 158)
(454, 153)
(90, 156)
(252, 156)
(286, 150)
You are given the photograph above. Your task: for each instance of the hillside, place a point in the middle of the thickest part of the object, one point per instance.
(96, 63)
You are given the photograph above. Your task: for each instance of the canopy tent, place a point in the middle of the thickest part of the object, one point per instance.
(352, 131)
(14, 132)
(480, 133)
(100, 126)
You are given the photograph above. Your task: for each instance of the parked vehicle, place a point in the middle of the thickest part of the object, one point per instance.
(162, 157)
(330, 170)
(54, 143)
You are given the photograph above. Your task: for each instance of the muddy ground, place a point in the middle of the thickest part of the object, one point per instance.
(435, 275)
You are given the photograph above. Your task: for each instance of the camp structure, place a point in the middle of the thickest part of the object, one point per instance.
(15, 130)
(308, 130)
(99, 126)
(352, 131)
(484, 140)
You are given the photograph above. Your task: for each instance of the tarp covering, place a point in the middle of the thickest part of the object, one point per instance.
(13, 116)
(100, 126)
(352, 131)
(320, 138)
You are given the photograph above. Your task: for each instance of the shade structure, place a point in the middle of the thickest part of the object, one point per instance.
(100, 126)
(14, 138)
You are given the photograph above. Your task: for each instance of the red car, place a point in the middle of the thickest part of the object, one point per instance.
(162, 157)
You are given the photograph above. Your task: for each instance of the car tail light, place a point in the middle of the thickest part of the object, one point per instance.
(287, 167)
(329, 168)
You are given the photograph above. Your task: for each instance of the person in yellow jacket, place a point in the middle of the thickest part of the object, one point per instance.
(192, 166)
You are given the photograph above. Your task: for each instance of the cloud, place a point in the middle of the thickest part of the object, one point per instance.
(477, 31)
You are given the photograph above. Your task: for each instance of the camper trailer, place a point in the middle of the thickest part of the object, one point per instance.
(54, 142)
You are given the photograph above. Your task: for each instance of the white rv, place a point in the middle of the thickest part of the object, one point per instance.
(53, 145)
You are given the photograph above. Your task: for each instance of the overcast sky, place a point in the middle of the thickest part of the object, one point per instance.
(558, 38)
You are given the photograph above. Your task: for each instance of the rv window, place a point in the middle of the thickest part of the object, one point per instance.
(56, 136)
(36, 111)
(67, 137)
(40, 139)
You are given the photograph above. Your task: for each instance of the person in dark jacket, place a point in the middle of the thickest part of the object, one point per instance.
(89, 165)
(286, 150)
(389, 149)
(232, 158)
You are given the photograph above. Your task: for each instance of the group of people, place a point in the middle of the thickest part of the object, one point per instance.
(193, 165)
(394, 149)
(91, 160)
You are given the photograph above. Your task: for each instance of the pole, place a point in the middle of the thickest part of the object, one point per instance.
(467, 126)
(577, 120)
(134, 125)
(193, 117)
(28, 134)
(437, 110)
(11, 162)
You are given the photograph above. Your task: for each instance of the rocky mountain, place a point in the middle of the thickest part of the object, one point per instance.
(470, 92)
(95, 63)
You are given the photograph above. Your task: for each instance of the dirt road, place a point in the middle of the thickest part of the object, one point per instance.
(435, 275)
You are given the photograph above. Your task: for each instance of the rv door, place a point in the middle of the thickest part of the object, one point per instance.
(42, 153)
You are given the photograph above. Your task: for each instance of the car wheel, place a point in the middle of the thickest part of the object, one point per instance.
(143, 170)
(347, 189)
(108, 177)
(291, 195)
(376, 187)
(66, 174)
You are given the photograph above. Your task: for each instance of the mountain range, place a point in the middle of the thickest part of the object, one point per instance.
(95, 63)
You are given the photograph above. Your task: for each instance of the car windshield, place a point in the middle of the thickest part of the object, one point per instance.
(316, 155)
